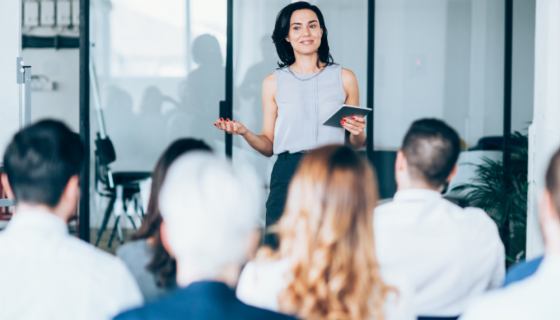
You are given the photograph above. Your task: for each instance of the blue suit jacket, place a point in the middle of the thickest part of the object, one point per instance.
(201, 301)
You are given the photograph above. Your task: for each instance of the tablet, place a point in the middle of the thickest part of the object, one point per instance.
(343, 112)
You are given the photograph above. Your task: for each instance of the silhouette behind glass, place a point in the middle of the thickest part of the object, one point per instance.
(251, 87)
(200, 94)
(119, 120)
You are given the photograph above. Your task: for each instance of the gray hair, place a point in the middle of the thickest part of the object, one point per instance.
(209, 208)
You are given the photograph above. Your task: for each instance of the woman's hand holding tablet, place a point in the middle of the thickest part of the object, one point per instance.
(355, 125)
(351, 118)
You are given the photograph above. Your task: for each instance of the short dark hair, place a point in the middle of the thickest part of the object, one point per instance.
(431, 148)
(282, 29)
(553, 179)
(40, 160)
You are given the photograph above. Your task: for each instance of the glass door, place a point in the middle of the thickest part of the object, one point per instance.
(160, 68)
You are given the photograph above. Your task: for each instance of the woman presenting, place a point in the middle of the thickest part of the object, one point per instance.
(297, 98)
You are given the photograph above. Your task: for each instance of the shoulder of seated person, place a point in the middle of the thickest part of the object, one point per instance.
(94, 259)
(131, 314)
(496, 304)
(130, 246)
(477, 214)
(386, 205)
(267, 265)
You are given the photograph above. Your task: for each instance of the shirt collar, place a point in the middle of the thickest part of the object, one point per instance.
(37, 220)
(415, 195)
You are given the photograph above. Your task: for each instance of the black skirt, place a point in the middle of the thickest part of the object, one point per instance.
(282, 173)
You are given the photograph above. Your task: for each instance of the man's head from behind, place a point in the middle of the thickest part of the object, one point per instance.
(42, 164)
(428, 155)
(210, 211)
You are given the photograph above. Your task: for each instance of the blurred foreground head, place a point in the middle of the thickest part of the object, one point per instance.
(210, 211)
(327, 232)
(428, 155)
(42, 164)
(549, 212)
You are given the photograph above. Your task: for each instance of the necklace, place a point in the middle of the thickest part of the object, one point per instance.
(318, 73)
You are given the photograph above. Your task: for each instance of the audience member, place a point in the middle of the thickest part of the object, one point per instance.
(45, 273)
(210, 214)
(325, 267)
(522, 270)
(450, 255)
(151, 265)
(537, 296)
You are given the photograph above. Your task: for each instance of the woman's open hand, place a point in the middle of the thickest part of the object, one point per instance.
(230, 127)
(354, 125)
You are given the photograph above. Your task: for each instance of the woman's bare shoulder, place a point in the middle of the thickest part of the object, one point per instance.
(348, 75)
(269, 85)
(270, 80)
(349, 80)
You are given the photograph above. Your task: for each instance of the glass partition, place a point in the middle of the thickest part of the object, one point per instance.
(160, 73)
(438, 59)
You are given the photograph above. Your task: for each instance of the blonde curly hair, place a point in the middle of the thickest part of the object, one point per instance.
(327, 232)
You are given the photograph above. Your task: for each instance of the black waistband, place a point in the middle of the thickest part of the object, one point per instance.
(287, 155)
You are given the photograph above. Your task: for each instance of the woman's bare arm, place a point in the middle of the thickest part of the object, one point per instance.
(354, 125)
(262, 143)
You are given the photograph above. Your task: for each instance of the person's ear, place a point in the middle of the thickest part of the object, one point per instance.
(400, 163)
(71, 193)
(253, 240)
(66, 207)
(165, 238)
(6, 186)
(452, 174)
(73, 187)
(547, 211)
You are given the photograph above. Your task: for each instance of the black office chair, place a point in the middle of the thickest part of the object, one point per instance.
(107, 182)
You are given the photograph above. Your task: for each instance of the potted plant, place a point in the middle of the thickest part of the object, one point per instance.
(501, 191)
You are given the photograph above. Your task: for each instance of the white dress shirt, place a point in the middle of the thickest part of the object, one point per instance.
(261, 282)
(536, 297)
(45, 273)
(450, 255)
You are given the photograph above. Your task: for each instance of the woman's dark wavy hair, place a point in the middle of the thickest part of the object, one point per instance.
(282, 28)
(162, 264)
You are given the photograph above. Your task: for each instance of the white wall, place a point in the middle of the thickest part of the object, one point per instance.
(544, 132)
(62, 67)
(10, 13)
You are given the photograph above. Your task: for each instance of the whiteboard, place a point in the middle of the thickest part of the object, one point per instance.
(10, 38)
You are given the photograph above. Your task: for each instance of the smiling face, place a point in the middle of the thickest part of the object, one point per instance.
(305, 32)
